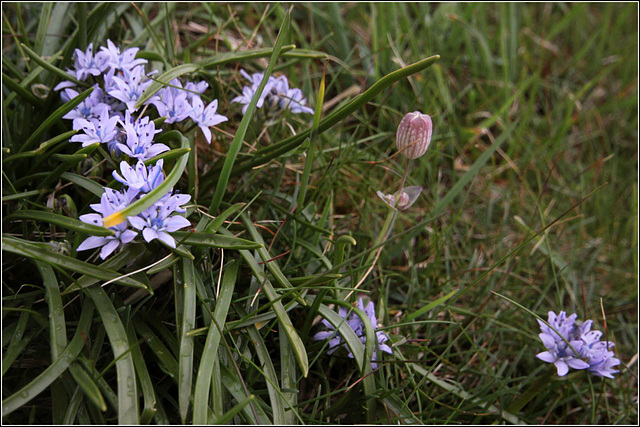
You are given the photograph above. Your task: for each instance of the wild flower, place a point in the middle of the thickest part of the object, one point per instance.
(90, 107)
(206, 117)
(276, 94)
(172, 103)
(414, 134)
(570, 345)
(110, 202)
(85, 63)
(100, 130)
(355, 323)
(157, 221)
(198, 88)
(402, 199)
(121, 61)
(139, 143)
(142, 178)
(130, 86)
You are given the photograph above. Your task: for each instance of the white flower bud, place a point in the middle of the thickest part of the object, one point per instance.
(414, 134)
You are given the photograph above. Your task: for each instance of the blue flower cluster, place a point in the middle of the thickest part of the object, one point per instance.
(570, 345)
(107, 117)
(277, 95)
(354, 321)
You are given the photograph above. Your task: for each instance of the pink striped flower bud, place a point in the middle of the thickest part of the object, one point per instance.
(414, 134)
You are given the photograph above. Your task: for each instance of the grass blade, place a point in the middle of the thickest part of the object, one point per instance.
(236, 144)
(127, 390)
(54, 117)
(24, 248)
(210, 352)
(185, 361)
(42, 381)
(60, 220)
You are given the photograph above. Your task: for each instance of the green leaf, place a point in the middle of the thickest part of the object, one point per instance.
(236, 144)
(86, 183)
(52, 68)
(283, 317)
(43, 147)
(24, 248)
(167, 155)
(53, 372)
(88, 386)
(62, 221)
(156, 194)
(126, 373)
(54, 117)
(185, 361)
(214, 240)
(210, 352)
(429, 306)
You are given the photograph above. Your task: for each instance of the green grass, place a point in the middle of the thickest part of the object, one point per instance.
(530, 205)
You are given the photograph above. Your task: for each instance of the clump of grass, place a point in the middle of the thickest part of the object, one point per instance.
(529, 205)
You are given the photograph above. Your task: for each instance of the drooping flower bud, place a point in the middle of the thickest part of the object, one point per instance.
(402, 199)
(414, 134)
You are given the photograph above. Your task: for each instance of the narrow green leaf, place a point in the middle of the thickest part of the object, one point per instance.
(53, 372)
(21, 92)
(60, 220)
(185, 361)
(168, 155)
(283, 317)
(86, 183)
(429, 306)
(43, 24)
(43, 147)
(236, 144)
(146, 383)
(54, 117)
(24, 248)
(214, 240)
(473, 171)
(308, 163)
(52, 68)
(126, 373)
(230, 415)
(210, 352)
(88, 386)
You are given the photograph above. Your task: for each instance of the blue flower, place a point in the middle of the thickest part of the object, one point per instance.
(139, 142)
(90, 107)
(100, 130)
(157, 221)
(130, 86)
(110, 202)
(572, 346)
(277, 95)
(121, 61)
(206, 117)
(172, 103)
(355, 323)
(86, 63)
(142, 178)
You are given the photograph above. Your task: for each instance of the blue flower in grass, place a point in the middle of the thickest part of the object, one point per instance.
(570, 345)
(157, 221)
(110, 202)
(355, 323)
